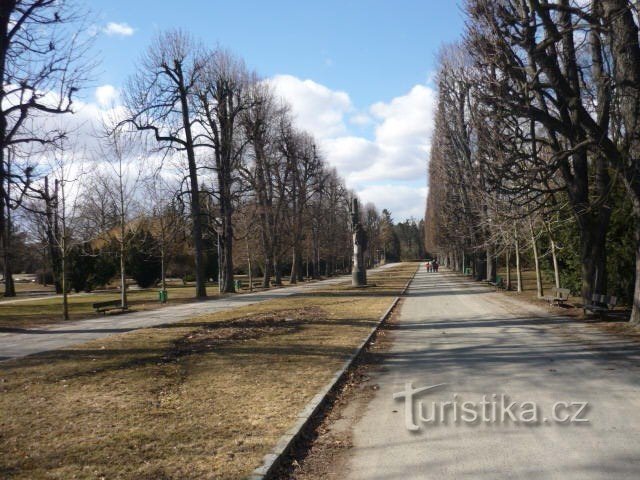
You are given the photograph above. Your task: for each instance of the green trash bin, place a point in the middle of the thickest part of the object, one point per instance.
(162, 296)
(237, 284)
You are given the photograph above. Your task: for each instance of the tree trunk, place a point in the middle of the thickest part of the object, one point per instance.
(554, 258)
(227, 256)
(51, 232)
(594, 262)
(635, 311)
(277, 272)
(491, 271)
(64, 253)
(480, 267)
(536, 261)
(518, 269)
(163, 268)
(123, 251)
(5, 232)
(123, 277)
(508, 267)
(196, 211)
(293, 277)
(299, 270)
(473, 265)
(65, 294)
(623, 34)
(268, 270)
(249, 265)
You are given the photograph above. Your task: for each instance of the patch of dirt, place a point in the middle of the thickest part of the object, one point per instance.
(245, 328)
(324, 451)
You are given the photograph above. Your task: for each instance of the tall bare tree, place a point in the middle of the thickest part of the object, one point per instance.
(122, 175)
(223, 94)
(43, 64)
(160, 99)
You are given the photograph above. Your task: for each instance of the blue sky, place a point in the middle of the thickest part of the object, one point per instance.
(355, 71)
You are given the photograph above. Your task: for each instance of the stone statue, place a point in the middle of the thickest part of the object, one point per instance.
(360, 241)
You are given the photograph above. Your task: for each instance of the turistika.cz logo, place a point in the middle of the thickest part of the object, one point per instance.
(491, 409)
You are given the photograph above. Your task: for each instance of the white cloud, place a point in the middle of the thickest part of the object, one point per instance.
(402, 136)
(315, 107)
(106, 95)
(119, 29)
(403, 201)
(397, 152)
(349, 154)
(407, 118)
(361, 119)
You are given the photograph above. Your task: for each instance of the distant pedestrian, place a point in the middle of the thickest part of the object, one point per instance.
(436, 265)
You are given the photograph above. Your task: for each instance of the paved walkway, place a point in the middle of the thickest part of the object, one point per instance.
(33, 297)
(62, 335)
(479, 343)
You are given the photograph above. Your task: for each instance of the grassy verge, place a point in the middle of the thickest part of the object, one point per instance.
(32, 288)
(36, 312)
(205, 398)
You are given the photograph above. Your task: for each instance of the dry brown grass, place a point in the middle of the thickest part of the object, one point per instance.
(36, 312)
(205, 398)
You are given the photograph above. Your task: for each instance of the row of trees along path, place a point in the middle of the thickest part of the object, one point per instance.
(537, 142)
(200, 169)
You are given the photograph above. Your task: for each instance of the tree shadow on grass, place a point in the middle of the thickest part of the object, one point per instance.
(232, 337)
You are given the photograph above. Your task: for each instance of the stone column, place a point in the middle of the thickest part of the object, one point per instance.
(359, 271)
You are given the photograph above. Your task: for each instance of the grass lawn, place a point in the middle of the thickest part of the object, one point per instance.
(202, 399)
(25, 312)
(32, 287)
(32, 312)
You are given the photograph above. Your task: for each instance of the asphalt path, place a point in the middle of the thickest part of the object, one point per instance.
(471, 344)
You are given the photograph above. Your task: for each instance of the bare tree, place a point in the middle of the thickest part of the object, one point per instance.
(42, 66)
(304, 164)
(160, 99)
(166, 219)
(263, 162)
(122, 175)
(66, 169)
(223, 94)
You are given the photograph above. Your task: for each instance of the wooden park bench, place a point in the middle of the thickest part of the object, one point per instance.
(558, 295)
(600, 303)
(104, 307)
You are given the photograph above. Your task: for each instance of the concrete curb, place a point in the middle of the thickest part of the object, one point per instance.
(271, 461)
